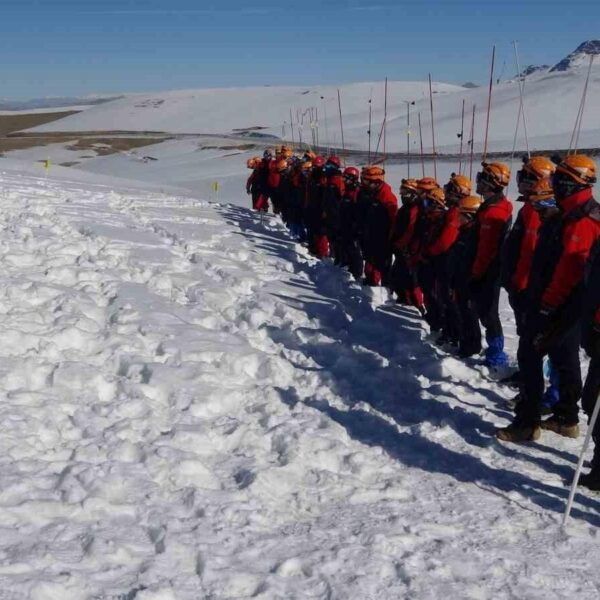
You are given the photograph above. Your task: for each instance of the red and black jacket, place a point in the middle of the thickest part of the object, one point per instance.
(333, 192)
(349, 223)
(448, 232)
(405, 226)
(380, 208)
(563, 248)
(518, 251)
(493, 220)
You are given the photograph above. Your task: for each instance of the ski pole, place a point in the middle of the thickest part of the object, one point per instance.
(586, 443)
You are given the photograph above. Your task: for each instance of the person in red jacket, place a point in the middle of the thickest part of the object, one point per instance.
(535, 187)
(332, 198)
(493, 221)
(349, 225)
(403, 276)
(318, 244)
(253, 184)
(439, 254)
(433, 226)
(555, 298)
(380, 206)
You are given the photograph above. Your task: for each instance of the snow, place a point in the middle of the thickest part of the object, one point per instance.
(193, 407)
(551, 104)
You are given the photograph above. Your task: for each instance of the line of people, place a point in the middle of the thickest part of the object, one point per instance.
(449, 252)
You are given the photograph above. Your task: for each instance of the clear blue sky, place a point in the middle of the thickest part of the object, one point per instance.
(65, 47)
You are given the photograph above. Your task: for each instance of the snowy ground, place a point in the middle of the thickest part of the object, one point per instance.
(192, 407)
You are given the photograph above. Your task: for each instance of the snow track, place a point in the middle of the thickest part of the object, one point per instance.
(193, 407)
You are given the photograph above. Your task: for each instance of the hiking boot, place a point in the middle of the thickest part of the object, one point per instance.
(591, 480)
(557, 426)
(513, 402)
(518, 433)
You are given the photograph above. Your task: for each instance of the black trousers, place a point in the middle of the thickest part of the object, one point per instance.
(486, 298)
(470, 331)
(564, 355)
(591, 390)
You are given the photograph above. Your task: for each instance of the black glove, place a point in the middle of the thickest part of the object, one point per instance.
(591, 341)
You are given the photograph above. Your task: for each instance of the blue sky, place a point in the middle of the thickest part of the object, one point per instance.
(66, 47)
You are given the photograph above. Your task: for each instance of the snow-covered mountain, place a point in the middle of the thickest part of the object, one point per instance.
(551, 104)
(579, 57)
(55, 102)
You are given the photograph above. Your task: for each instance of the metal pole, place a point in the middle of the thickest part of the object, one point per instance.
(472, 143)
(585, 89)
(292, 128)
(432, 128)
(408, 140)
(462, 135)
(421, 140)
(341, 124)
(489, 108)
(385, 101)
(522, 95)
(370, 122)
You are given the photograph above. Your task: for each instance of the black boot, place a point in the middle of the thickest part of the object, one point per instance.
(591, 480)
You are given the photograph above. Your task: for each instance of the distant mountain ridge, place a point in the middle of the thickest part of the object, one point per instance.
(56, 102)
(578, 57)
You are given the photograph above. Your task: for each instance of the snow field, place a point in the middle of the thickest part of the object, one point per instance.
(193, 407)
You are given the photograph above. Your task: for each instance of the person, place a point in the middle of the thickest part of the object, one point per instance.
(333, 191)
(299, 189)
(403, 276)
(379, 206)
(459, 265)
(253, 187)
(493, 221)
(591, 345)
(318, 244)
(536, 194)
(438, 253)
(433, 204)
(349, 225)
(554, 304)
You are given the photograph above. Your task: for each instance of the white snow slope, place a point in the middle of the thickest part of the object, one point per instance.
(193, 407)
(551, 105)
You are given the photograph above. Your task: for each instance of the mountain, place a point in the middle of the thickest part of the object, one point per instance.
(469, 85)
(580, 56)
(55, 102)
(531, 69)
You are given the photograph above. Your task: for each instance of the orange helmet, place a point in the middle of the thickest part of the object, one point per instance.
(306, 165)
(250, 163)
(495, 175)
(408, 186)
(288, 153)
(535, 176)
(459, 185)
(469, 204)
(436, 195)
(579, 168)
(426, 184)
(282, 165)
(371, 173)
(310, 155)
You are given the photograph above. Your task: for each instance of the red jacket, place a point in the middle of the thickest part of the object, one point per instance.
(448, 234)
(578, 238)
(386, 197)
(531, 222)
(404, 237)
(493, 220)
(274, 178)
